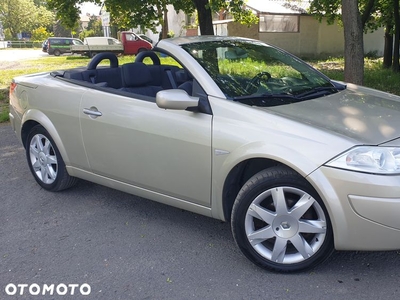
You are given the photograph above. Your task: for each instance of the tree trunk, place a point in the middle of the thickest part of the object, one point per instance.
(395, 65)
(165, 28)
(205, 17)
(388, 51)
(353, 42)
(368, 9)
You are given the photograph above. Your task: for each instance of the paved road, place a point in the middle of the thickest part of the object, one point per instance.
(125, 247)
(12, 54)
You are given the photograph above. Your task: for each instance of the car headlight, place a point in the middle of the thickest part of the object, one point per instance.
(369, 159)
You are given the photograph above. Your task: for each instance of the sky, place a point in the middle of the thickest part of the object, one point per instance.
(90, 8)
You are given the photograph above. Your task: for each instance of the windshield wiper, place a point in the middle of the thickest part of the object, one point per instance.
(318, 92)
(265, 96)
(267, 99)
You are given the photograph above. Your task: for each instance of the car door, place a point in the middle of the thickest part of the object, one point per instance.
(131, 45)
(136, 142)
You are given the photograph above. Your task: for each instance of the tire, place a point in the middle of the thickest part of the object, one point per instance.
(57, 52)
(280, 223)
(45, 161)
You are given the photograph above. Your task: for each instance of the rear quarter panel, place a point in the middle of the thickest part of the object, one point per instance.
(54, 104)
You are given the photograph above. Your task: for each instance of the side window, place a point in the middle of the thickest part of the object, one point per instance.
(131, 37)
(77, 42)
(279, 23)
(175, 75)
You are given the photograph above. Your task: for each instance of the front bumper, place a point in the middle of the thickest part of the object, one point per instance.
(364, 208)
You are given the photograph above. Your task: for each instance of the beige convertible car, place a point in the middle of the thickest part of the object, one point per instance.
(230, 128)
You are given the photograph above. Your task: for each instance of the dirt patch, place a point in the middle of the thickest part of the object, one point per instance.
(330, 66)
(4, 65)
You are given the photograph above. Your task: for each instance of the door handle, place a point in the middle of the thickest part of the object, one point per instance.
(92, 112)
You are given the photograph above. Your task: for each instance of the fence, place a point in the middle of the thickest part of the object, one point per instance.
(20, 44)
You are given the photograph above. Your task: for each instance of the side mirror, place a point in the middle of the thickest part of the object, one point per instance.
(176, 99)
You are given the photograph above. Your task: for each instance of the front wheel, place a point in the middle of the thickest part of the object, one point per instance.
(280, 223)
(45, 161)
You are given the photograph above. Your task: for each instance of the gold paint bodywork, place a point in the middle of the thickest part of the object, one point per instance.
(183, 158)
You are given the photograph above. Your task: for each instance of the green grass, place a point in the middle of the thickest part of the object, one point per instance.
(3, 105)
(375, 76)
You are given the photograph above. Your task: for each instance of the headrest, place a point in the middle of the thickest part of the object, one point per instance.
(135, 74)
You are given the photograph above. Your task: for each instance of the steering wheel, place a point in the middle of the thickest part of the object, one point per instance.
(256, 80)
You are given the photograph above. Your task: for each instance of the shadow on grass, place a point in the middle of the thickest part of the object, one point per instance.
(77, 58)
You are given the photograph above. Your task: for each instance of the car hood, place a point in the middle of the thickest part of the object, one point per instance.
(365, 115)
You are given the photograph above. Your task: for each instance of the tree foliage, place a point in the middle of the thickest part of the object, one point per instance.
(40, 34)
(235, 7)
(331, 10)
(24, 16)
(150, 14)
(373, 14)
(95, 25)
(67, 11)
(94, 28)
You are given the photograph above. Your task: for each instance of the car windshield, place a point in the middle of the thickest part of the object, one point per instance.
(251, 71)
(77, 42)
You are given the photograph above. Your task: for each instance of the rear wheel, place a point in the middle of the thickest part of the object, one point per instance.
(45, 161)
(280, 223)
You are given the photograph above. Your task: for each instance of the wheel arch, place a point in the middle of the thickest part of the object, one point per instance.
(35, 117)
(237, 177)
(242, 172)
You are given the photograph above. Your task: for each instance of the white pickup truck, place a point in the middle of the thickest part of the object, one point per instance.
(94, 45)
(130, 44)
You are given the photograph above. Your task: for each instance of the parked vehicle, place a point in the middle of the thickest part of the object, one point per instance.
(101, 40)
(60, 45)
(235, 129)
(146, 38)
(44, 46)
(130, 44)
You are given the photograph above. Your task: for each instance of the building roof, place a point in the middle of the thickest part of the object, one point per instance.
(279, 6)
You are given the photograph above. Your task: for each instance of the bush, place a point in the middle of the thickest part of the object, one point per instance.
(40, 34)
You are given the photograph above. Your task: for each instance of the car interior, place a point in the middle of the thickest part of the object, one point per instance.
(131, 79)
